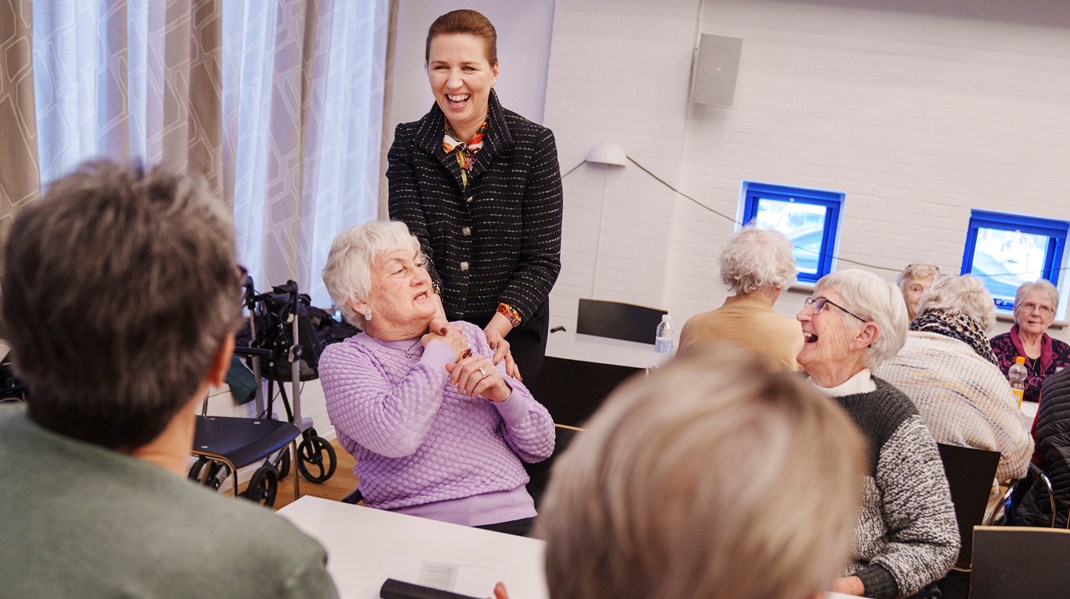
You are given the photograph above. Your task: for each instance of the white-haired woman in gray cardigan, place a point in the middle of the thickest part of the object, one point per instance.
(907, 536)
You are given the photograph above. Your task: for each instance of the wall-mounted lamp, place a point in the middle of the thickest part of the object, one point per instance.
(612, 155)
(608, 154)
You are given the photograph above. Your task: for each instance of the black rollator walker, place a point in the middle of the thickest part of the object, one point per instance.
(283, 347)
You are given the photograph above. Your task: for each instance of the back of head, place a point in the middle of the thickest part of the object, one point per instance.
(964, 294)
(731, 481)
(119, 288)
(875, 300)
(757, 259)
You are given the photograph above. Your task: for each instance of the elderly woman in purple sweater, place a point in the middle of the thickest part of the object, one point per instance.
(437, 429)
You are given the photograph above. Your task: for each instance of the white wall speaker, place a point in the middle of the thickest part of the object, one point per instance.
(716, 67)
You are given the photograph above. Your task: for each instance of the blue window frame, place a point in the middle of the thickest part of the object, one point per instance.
(1006, 250)
(810, 218)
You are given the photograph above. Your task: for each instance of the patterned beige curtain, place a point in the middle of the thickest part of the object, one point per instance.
(277, 103)
(147, 88)
(19, 170)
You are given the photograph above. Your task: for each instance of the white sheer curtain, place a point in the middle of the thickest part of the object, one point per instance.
(278, 103)
(302, 113)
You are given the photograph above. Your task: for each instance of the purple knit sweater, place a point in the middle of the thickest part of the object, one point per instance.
(422, 447)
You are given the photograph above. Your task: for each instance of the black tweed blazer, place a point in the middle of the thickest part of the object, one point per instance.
(499, 240)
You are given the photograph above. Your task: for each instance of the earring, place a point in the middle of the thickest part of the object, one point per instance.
(368, 313)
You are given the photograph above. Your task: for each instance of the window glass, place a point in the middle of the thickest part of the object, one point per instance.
(803, 224)
(809, 218)
(1006, 250)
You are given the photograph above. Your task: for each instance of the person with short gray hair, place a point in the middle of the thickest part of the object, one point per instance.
(121, 297)
(1035, 304)
(913, 281)
(949, 372)
(437, 428)
(907, 535)
(757, 265)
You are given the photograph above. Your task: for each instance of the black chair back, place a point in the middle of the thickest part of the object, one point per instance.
(1012, 561)
(573, 389)
(617, 320)
(970, 473)
(540, 473)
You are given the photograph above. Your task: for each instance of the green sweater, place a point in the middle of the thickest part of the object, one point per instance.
(79, 520)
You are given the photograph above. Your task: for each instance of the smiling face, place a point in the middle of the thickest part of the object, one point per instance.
(461, 78)
(835, 344)
(1034, 313)
(401, 298)
(912, 289)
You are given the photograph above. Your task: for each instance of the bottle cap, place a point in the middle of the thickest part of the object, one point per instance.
(665, 318)
(1019, 360)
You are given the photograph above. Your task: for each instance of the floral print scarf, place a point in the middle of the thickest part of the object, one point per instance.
(466, 152)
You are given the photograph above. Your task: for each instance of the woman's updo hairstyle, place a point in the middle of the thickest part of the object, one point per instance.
(465, 21)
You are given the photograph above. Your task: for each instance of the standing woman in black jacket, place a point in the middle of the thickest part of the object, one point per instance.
(480, 187)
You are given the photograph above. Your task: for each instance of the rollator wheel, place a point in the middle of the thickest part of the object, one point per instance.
(316, 459)
(214, 479)
(283, 463)
(263, 486)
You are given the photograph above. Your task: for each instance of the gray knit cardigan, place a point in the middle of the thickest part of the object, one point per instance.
(907, 536)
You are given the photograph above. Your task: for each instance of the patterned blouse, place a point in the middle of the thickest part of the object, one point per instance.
(1054, 356)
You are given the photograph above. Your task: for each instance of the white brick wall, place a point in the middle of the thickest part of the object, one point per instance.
(917, 112)
(619, 72)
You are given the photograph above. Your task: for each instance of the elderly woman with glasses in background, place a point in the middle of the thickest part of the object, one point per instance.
(907, 536)
(1034, 311)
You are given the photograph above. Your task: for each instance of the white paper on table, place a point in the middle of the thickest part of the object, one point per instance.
(477, 580)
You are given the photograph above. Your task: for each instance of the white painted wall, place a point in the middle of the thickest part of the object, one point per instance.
(619, 72)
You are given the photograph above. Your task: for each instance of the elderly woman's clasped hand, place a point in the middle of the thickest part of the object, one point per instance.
(472, 374)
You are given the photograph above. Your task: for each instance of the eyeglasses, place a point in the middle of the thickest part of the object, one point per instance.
(1028, 307)
(817, 304)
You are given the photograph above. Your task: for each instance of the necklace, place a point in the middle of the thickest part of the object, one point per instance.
(407, 351)
(1034, 364)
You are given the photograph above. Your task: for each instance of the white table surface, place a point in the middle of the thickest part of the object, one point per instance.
(1029, 409)
(365, 546)
(603, 350)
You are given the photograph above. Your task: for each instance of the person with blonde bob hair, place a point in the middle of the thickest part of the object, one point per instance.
(907, 536)
(913, 282)
(438, 430)
(680, 485)
(1034, 311)
(757, 265)
(949, 371)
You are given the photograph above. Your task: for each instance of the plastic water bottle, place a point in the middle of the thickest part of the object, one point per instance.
(663, 340)
(1017, 374)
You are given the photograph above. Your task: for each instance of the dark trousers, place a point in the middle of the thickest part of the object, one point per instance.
(519, 528)
(527, 342)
